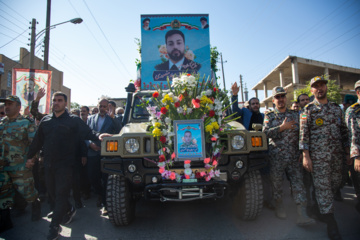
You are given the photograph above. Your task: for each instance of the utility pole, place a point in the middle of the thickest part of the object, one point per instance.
(47, 36)
(32, 43)
(222, 69)
(241, 85)
(246, 93)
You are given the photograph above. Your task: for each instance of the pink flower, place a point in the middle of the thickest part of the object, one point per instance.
(202, 174)
(187, 176)
(196, 103)
(213, 139)
(215, 163)
(173, 155)
(172, 175)
(161, 170)
(207, 178)
(187, 161)
(206, 160)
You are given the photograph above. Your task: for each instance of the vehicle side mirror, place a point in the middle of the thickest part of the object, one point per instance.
(257, 126)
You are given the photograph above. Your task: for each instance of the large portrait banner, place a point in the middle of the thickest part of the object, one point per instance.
(172, 45)
(26, 84)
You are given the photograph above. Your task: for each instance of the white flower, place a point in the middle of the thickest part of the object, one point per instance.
(167, 120)
(179, 109)
(169, 141)
(188, 110)
(176, 99)
(212, 120)
(211, 107)
(164, 132)
(208, 92)
(171, 94)
(171, 134)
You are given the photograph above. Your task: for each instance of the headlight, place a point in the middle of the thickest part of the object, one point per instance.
(237, 142)
(132, 145)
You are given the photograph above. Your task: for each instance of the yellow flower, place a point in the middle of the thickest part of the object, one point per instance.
(209, 128)
(215, 125)
(157, 124)
(167, 107)
(167, 98)
(205, 100)
(156, 132)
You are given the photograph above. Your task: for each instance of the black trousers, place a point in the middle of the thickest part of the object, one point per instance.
(98, 180)
(58, 184)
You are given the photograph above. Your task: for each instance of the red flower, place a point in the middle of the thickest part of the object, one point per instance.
(161, 158)
(181, 97)
(196, 103)
(187, 161)
(215, 89)
(163, 139)
(211, 113)
(188, 74)
(155, 94)
(163, 110)
(177, 104)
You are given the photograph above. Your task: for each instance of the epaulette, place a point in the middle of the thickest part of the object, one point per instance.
(271, 111)
(354, 105)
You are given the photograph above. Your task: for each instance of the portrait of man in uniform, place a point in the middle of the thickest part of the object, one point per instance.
(189, 143)
(28, 92)
(178, 59)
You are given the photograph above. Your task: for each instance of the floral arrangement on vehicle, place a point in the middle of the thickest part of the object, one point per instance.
(186, 99)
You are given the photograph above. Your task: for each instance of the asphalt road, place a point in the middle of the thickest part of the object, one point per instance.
(191, 220)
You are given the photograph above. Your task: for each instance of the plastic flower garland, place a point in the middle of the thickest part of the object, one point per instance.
(188, 99)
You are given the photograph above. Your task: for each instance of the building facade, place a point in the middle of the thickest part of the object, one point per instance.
(294, 72)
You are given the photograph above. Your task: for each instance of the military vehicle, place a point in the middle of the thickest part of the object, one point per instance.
(130, 160)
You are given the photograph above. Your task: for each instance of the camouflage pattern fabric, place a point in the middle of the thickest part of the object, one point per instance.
(324, 133)
(284, 153)
(34, 110)
(16, 136)
(353, 123)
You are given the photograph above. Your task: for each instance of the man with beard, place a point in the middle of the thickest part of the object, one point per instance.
(281, 126)
(175, 46)
(324, 142)
(248, 116)
(303, 99)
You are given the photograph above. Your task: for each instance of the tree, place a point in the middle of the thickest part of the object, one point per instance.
(333, 92)
(214, 56)
(74, 105)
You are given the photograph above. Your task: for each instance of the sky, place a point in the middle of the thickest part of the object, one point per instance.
(98, 56)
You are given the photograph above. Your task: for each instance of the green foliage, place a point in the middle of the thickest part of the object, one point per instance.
(138, 61)
(74, 105)
(214, 56)
(333, 92)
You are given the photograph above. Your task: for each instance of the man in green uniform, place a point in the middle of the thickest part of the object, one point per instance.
(16, 134)
(353, 123)
(324, 142)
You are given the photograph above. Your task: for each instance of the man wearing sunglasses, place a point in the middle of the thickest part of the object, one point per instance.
(324, 142)
(281, 126)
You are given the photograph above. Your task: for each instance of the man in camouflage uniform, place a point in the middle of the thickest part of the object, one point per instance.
(324, 141)
(281, 126)
(353, 123)
(16, 134)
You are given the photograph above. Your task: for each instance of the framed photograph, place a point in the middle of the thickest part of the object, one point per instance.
(189, 140)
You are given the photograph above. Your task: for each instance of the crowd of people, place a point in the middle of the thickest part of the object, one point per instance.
(314, 144)
(45, 157)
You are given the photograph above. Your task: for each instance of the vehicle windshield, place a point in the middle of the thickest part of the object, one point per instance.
(140, 112)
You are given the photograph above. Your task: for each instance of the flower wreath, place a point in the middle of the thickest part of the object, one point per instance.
(188, 99)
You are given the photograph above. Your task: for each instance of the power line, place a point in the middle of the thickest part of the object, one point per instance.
(11, 22)
(14, 17)
(99, 44)
(13, 38)
(107, 39)
(14, 11)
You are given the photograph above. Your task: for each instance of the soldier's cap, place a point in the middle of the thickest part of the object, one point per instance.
(350, 99)
(357, 84)
(318, 79)
(278, 91)
(11, 98)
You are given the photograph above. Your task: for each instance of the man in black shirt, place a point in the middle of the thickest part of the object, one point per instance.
(58, 135)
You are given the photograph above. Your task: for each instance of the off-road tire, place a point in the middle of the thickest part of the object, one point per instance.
(249, 200)
(120, 205)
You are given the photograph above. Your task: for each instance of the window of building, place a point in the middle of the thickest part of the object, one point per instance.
(9, 80)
